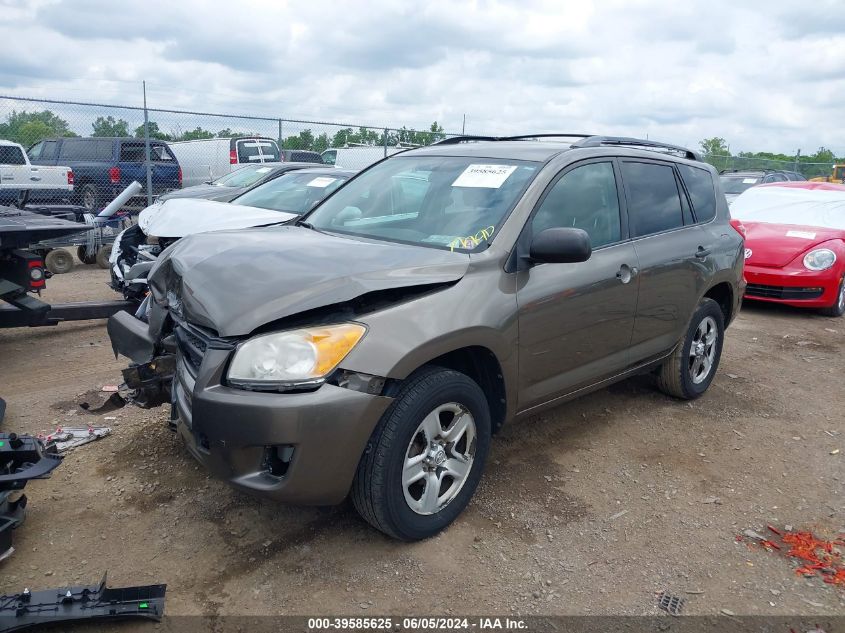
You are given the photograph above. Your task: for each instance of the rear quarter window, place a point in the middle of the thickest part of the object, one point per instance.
(702, 193)
(87, 149)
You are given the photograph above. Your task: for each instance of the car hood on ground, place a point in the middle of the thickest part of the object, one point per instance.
(186, 216)
(205, 192)
(776, 245)
(236, 281)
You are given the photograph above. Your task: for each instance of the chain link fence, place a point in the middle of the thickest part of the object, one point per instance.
(742, 163)
(110, 146)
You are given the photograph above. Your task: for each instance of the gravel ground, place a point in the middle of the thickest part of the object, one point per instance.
(591, 508)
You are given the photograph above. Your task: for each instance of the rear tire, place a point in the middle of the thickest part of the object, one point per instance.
(59, 261)
(23, 198)
(90, 198)
(84, 256)
(838, 308)
(102, 257)
(688, 372)
(439, 424)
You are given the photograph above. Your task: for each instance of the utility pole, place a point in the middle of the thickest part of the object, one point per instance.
(797, 156)
(464, 126)
(147, 148)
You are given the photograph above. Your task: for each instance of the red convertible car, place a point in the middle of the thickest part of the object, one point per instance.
(795, 244)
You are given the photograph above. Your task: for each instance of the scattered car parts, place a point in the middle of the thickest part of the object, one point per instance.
(67, 437)
(22, 458)
(87, 602)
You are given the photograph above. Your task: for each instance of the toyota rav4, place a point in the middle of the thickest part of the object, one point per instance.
(375, 345)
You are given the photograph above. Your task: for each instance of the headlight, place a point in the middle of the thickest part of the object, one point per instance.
(819, 259)
(293, 358)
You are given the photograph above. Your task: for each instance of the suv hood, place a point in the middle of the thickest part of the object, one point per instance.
(179, 217)
(236, 281)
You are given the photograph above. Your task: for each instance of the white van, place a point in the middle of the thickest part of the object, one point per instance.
(357, 157)
(207, 159)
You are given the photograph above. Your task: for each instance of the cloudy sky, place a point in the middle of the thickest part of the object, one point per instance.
(768, 76)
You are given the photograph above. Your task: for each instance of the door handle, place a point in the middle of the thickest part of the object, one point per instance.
(626, 273)
(36, 178)
(702, 252)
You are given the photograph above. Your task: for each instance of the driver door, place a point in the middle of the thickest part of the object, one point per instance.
(576, 320)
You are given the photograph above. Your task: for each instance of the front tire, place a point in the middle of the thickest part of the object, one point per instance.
(688, 372)
(838, 308)
(425, 457)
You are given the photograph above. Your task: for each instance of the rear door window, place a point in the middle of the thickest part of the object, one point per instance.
(11, 155)
(269, 151)
(87, 149)
(702, 193)
(248, 151)
(654, 202)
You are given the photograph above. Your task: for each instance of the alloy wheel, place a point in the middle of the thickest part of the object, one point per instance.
(702, 353)
(439, 458)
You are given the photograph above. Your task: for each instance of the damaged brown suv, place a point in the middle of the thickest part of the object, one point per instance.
(377, 344)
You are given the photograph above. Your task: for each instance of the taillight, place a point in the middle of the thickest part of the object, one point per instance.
(739, 227)
(70, 176)
(36, 274)
(179, 176)
(233, 157)
(114, 175)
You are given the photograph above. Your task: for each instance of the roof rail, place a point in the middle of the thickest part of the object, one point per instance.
(598, 141)
(454, 140)
(586, 140)
(524, 137)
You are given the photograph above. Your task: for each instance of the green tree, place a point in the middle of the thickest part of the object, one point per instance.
(27, 128)
(303, 140)
(321, 143)
(155, 132)
(716, 146)
(195, 134)
(108, 126)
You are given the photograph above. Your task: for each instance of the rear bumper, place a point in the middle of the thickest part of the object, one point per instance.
(803, 289)
(236, 434)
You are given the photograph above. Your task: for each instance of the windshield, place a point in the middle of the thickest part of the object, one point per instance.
(738, 184)
(294, 192)
(446, 202)
(243, 177)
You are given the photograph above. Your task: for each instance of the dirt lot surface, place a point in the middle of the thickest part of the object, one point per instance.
(591, 508)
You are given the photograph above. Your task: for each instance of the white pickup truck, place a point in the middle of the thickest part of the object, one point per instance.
(19, 176)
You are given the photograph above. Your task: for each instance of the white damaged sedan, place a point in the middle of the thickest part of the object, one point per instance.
(161, 224)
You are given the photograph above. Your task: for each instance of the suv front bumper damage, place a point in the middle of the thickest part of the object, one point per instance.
(300, 448)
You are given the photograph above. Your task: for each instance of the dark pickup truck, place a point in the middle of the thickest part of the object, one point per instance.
(103, 167)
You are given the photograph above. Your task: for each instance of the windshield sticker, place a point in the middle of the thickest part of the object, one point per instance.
(471, 241)
(321, 181)
(749, 181)
(262, 170)
(485, 176)
(804, 235)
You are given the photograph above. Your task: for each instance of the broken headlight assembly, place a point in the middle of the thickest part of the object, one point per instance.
(296, 358)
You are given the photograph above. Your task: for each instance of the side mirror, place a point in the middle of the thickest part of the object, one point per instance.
(560, 246)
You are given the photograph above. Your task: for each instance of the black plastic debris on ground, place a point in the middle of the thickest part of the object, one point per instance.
(88, 602)
(669, 603)
(21, 459)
